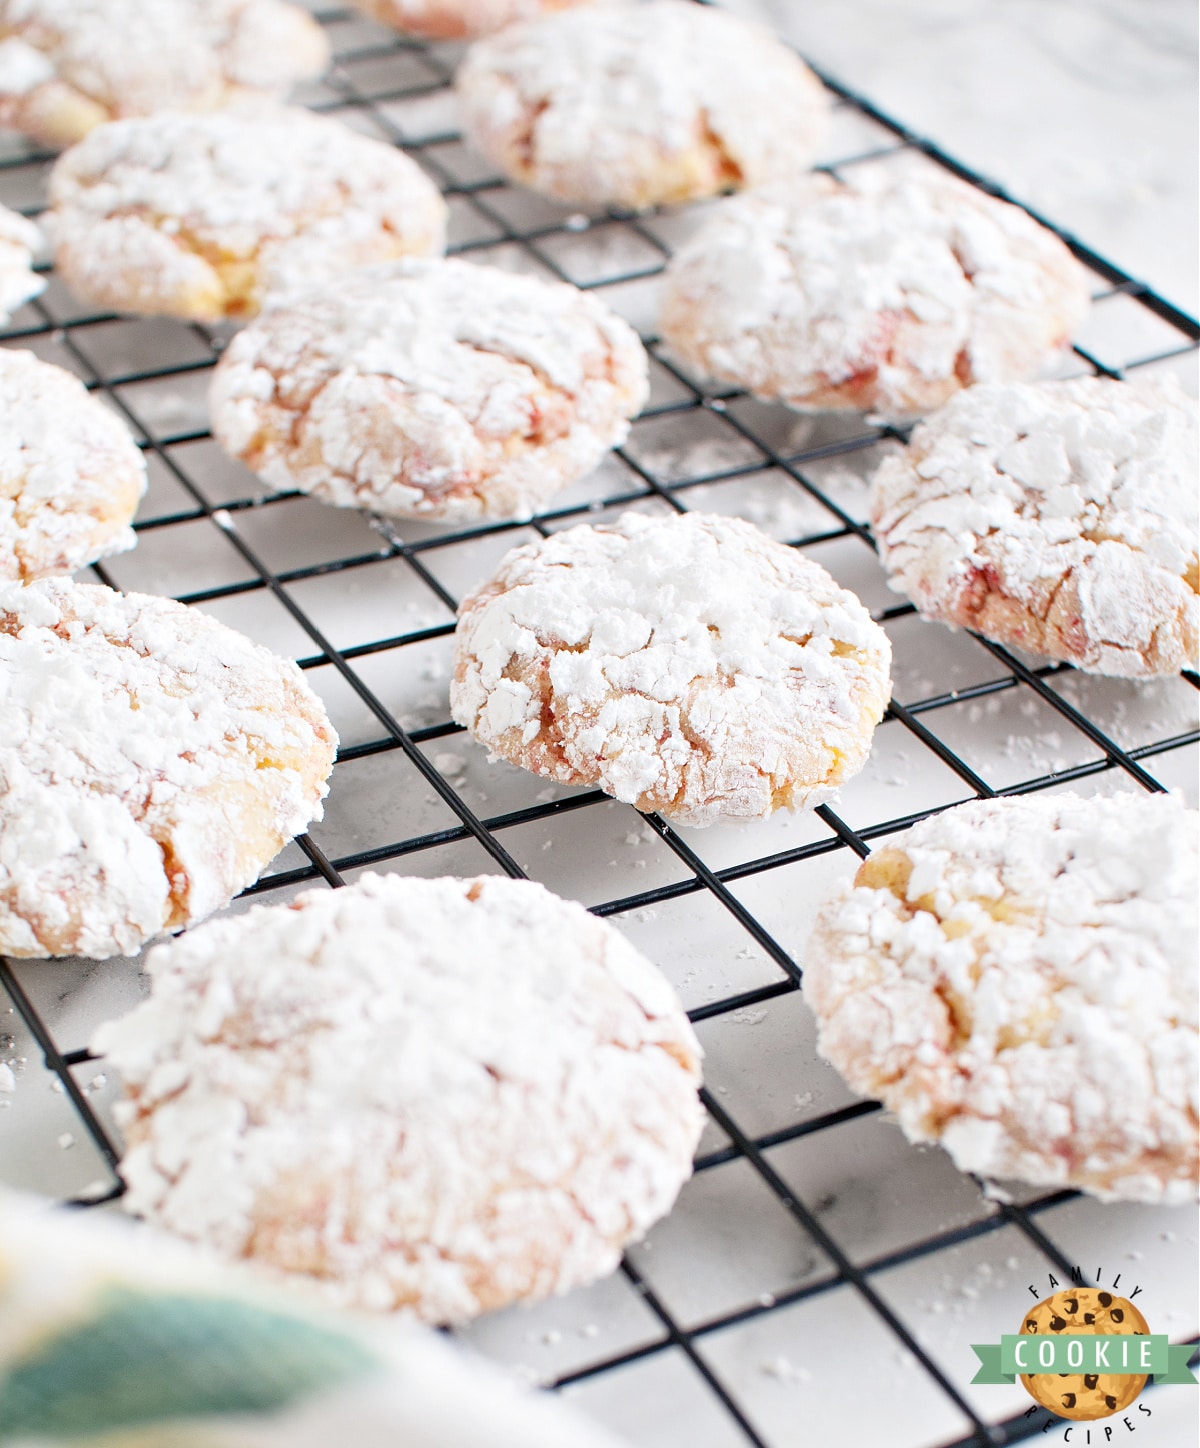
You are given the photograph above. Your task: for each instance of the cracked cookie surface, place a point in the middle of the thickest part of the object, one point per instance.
(152, 762)
(202, 216)
(459, 19)
(687, 664)
(430, 389)
(67, 66)
(1016, 978)
(888, 291)
(71, 475)
(438, 1096)
(638, 105)
(1060, 517)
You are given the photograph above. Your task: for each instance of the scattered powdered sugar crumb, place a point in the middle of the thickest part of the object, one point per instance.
(1058, 516)
(686, 663)
(153, 762)
(1017, 979)
(783, 1370)
(523, 1100)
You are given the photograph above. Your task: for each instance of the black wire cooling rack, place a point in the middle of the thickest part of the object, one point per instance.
(690, 446)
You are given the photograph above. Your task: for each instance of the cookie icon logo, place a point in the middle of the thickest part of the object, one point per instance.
(1084, 1353)
(1084, 1312)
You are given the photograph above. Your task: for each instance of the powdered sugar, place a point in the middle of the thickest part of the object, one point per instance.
(19, 239)
(888, 290)
(635, 105)
(452, 19)
(152, 761)
(68, 65)
(430, 389)
(203, 215)
(1059, 516)
(1017, 978)
(438, 1095)
(686, 664)
(70, 473)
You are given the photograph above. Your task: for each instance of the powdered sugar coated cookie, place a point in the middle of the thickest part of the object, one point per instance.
(203, 215)
(152, 761)
(457, 19)
(1058, 516)
(430, 389)
(637, 105)
(19, 239)
(433, 1095)
(887, 290)
(71, 476)
(69, 65)
(1016, 978)
(686, 664)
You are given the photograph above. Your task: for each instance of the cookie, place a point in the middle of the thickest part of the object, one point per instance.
(1084, 1311)
(634, 106)
(152, 762)
(887, 290)
(457, 19)
(19, 239)
(1016, 978)
(1060, 517)
(430, 389)
(71, 476)
(202, 215)
(687, 664)
(69, 65)
(438, 1096)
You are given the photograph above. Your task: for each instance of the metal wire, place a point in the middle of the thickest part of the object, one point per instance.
(482, 200)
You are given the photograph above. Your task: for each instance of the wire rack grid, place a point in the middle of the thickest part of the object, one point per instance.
(810, 1222)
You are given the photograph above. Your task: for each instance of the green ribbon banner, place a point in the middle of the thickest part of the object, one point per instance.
(1113, 1353)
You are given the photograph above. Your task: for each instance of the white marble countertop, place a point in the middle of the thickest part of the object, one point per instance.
(1084, 109)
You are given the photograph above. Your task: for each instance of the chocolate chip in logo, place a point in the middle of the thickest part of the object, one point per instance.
(1068, 1400)
(1106, 1299)
(1090, 1380)
(1117, 1314)
(1030, 1324)
(1110, 1402)
(1089, 1318)
(1072, 1307)
(1057, 1324)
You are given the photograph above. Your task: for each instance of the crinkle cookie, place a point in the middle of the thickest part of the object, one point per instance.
(152, 761)
(68, 65)
(202, 215)
(457, 19)
(1061, 517)
(19, 239)
(687, 664)
(887, 291)
(71, 476)
(430, 389)
(1016, 978)
(432, 1095)
(638, 105)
